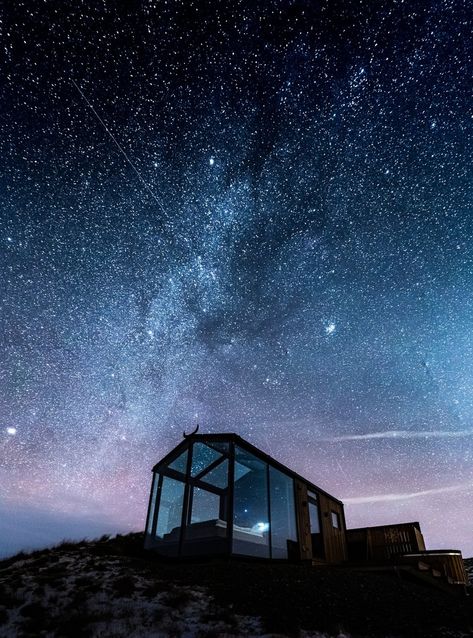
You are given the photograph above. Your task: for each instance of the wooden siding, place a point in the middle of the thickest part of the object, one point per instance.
(335, 545)
(384, 542)
(303, 521)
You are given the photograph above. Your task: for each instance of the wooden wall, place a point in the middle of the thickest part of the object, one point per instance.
(384, 542)
(335, 543)
(303, 521)
(334, 540)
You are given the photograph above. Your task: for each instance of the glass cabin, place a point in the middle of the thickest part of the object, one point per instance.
(218, 494)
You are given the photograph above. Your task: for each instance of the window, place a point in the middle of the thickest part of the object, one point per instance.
(250, 506)
(283, 513)
(335, 520)
(180, 464)
(202, 457)
(318, 550)
(220, 446)
(170, 510)
(314, 518)
(152, 504)
(218, 476)
(205, 506)
(206, 530)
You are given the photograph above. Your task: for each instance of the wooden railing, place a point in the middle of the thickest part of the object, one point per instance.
(384, 542)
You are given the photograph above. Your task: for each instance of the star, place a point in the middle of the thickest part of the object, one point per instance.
(330, 328)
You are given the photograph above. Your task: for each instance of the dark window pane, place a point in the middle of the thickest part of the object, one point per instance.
(202, 457)
(205, 506)
(218, 476)
(180, 464)
(315, 531)
(240, 470)
(152, 505)
(220, 446)
(170, 510)
(336, 520)
(206, 532)
(283, 514)
(314, 518)
(250, 507)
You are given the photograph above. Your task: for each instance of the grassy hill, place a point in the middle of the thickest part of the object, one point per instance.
(112, 588)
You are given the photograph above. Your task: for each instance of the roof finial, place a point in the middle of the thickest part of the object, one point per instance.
(186, 436)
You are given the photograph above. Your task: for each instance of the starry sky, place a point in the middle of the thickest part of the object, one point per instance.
(252, 215)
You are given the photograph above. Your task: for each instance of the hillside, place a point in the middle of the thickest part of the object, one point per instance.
(111, 587)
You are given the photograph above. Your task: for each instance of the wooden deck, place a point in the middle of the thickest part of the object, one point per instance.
(443, 563)
(401, 547)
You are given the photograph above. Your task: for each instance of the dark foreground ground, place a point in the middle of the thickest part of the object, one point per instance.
(112, 588)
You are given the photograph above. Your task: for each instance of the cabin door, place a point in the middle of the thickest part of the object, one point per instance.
(315, 526)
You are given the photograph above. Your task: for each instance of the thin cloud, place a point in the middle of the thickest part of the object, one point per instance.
(401, 434)
(383, 498)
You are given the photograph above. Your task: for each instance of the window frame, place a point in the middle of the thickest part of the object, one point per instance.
(266, 464)
(272, 508)
(336, 520)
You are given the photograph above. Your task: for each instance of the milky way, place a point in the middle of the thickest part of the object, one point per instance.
(270, 232)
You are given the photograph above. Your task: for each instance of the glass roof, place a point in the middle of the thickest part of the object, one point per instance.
(179, 464)
(218, 476)
(202, 457)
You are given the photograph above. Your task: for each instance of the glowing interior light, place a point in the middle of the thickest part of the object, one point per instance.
(261, 527)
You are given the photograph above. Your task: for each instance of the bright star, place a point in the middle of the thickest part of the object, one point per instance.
(11, 431)
(330, 328)
(211, 161)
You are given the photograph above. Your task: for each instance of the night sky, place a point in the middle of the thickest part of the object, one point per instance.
(252, 215)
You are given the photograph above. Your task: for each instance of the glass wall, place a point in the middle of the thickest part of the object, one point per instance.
(283, 514)
(152, 504)
(168, 526)
(191, 514)
(250, 505)
(217, 475)
(205, 506)
(206, 524)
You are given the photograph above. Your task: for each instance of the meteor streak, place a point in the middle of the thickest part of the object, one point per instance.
(119, 146)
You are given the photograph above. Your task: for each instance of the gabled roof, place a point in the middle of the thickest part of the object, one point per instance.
(235, 438)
